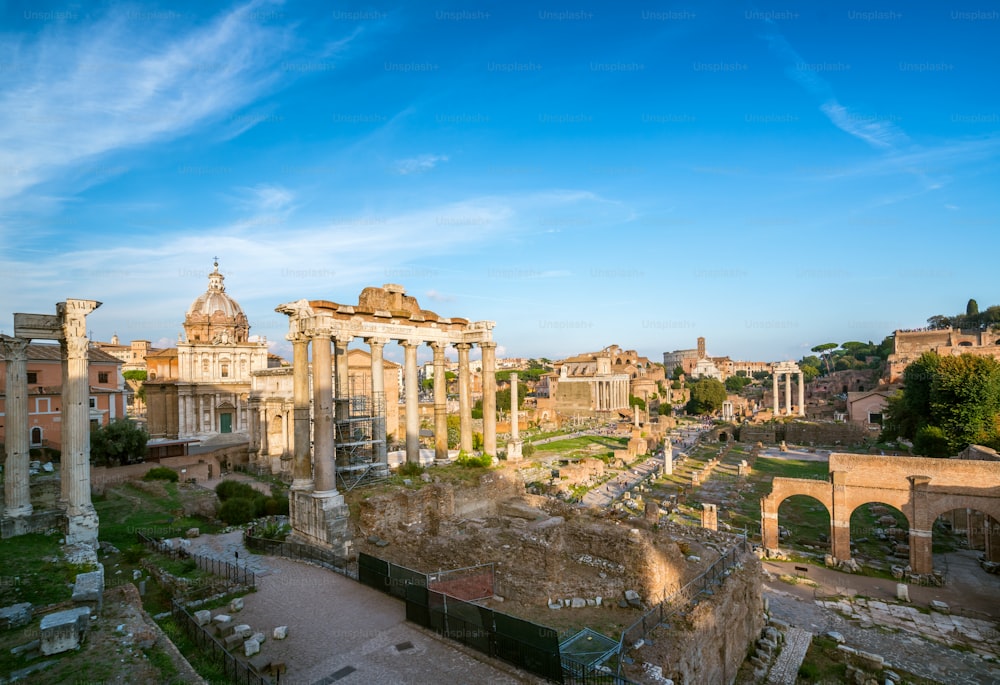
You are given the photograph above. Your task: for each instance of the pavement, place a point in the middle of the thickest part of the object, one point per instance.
(342, 631)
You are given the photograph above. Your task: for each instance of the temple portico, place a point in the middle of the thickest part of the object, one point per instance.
(787, 369)
(382, 315)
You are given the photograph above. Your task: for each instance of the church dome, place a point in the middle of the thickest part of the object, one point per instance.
(215, 317)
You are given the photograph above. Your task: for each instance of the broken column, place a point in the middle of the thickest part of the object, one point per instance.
(17, 492)
(709, 516)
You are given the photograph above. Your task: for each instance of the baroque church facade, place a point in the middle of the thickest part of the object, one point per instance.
(201, 388)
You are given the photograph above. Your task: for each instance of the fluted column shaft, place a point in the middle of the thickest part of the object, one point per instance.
(17, 492)
(802, 395)
(464, 399)
(788, 394)
(489, 398)
(411, 382)
(514, 437)
(302, 477)
(774, 390)
(440, 403)
(323, 444)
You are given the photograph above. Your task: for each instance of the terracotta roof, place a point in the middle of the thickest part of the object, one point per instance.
(38, 352)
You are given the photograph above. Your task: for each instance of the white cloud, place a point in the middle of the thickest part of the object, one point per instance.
(82, 92)
(419, 164)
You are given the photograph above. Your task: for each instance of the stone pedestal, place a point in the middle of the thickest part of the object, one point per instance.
(709, 516)
(514, 451)
(64, 630)
(320, 519)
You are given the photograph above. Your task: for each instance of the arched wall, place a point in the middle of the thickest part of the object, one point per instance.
(921, 488)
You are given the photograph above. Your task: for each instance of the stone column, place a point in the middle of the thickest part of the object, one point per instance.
(75, 472)
(464, 398)
(377, 346)
(769, 522)
(788, 394)
(489, 349)
(341, 401)
(323, 443)
(302, 477)
(802, 395)
(440, 403)
(265, 426)
(668, 456)
(17, 487)
(774, 390)
(921, 525)
(411, 382)
(514, 447)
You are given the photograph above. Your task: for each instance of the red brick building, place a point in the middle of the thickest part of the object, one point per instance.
(107, 393)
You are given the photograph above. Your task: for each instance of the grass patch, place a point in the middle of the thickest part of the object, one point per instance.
(33, 570)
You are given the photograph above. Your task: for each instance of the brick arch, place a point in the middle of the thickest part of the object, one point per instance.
(921, 488)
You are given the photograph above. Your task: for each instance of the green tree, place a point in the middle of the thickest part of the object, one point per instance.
(634, 401)
(135, 379)
(972, 308)
(707, 396)
(737, 383)
(678, 371)
(824, 351)
(930, 441)
(119, 442)
(809, 372)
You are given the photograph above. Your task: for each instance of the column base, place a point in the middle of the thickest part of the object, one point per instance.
(514, 450)
(18, 512)
(305, 484)
(321, 519)
(81, 529)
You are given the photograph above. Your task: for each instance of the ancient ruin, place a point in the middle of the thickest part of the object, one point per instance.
(788, 369)
(921, 488)
(68, 326)
(381, 315)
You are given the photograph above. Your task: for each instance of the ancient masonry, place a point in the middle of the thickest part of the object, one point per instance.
(318, 512)
(921, 488)
(69, 327)
(787, 369)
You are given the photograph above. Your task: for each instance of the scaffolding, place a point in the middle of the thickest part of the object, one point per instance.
(360, 439)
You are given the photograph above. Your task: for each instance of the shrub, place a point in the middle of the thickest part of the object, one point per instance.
(161, 473)
(275, 506)
(481, 461)
(236, 511)
(228, 489)
(410, 468)
(133, 553)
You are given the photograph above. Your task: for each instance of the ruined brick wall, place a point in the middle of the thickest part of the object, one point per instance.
(711, 643)
(751, 434)
(805, 433)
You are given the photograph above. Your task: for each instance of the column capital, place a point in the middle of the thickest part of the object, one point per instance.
(13, 348)
(376, 341)
(487, 344)
(462, 346)
(407, 342)
(318, 332)
(343, 339)
(438, 346)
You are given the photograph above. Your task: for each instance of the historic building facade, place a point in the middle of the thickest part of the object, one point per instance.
(907, 346)
(201, 388)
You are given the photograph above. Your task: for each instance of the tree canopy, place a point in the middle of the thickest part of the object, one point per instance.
(707, 396)
(118, 443)
(947, 403)
(973, 318)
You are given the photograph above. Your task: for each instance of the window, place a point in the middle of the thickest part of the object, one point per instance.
(875, 418)
(43, 405)
(93, 403)
(204, 366)
(225, 370)
(102, 376)
(36, 436)
(32, 377)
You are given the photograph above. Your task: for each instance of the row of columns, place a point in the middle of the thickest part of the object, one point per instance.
(801, 406)
(69, 328)
(610, 395)
(317, 467)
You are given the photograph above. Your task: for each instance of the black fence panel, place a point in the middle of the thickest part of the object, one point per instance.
(416, 606)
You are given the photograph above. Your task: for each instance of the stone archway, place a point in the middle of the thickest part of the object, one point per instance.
(919, 487)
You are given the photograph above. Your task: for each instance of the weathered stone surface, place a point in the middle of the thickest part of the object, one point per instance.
(236, 604)
(835, 636)
(280, 633)
(64, 630)
(259, 637)
(222, 619)
(578, 603)
(193, 532)
(203, 617)
(15, 616)
(251, 647)
(243, 630)
(88, 588)
(940, 607)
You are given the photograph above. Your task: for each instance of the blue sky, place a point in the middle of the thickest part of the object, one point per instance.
(770, 176)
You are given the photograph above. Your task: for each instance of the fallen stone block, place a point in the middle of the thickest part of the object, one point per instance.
(232, 642)
(280, 633)
(88, 588)
(64, 630)
(236, 604)
(251, 647)
(203, 617)
(16, 615)
(243, 630)
(193, 533)
(259, 637)
(940, 607)
(835, 636)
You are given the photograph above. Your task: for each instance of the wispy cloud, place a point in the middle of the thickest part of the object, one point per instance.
(881, 134)
(107, 86)
(419, 164)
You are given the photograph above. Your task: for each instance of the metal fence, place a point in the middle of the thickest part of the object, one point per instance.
(236, 671)
(233, 573)
(469, 583)
(683, 598)
(297, 550)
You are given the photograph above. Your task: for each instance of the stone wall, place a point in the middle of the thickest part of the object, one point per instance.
(711, 642)
(805, 433)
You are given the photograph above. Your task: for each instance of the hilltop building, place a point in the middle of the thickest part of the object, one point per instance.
(907, 346)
